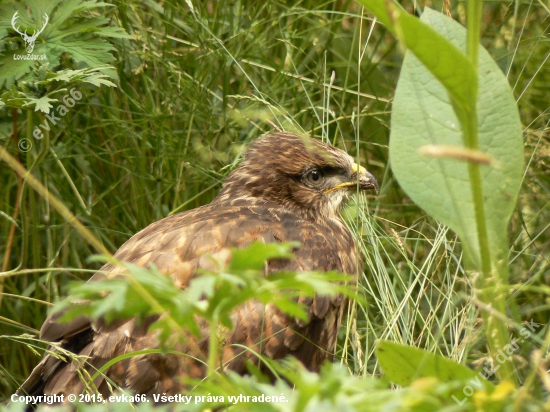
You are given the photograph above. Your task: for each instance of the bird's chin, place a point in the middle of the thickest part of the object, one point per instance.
(334, 203)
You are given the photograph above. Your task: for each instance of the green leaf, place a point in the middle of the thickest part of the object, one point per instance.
(71, 29)
(255, 255)
(94, 53)
(423, 115)
(94, 76)
(11, 69)
(116, 298)
(439, 55)
(42, 104)
(403, 364)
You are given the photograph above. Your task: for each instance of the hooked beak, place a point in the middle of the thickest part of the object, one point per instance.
(360, 178)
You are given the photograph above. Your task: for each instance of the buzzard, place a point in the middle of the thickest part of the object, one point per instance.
(288, 188)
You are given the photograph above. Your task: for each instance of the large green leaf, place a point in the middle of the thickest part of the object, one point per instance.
(438, 54)
(403, 364)
(423, 115)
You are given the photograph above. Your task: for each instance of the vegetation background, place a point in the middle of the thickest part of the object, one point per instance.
(194, 88)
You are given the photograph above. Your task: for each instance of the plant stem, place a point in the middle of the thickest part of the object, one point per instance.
(475, 8)
(474, 172)
(492, 278)
(213, 346)
(471, 141)
(58, 205)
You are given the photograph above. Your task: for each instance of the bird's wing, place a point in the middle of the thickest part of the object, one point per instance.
(176, 245)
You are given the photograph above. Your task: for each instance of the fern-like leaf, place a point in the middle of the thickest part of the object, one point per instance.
(75, 27)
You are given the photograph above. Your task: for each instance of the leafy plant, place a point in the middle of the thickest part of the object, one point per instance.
(67, 39)
(453, 115)
(68, 30)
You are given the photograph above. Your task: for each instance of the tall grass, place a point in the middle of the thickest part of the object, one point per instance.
(195, 88)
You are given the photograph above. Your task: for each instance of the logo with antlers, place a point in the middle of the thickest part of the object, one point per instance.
(29, 40)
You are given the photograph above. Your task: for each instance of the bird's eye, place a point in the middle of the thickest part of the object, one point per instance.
(315, 176)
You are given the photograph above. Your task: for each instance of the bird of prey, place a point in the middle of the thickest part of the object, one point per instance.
(287, 188)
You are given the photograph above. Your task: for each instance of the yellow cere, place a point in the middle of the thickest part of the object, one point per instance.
(355, 167)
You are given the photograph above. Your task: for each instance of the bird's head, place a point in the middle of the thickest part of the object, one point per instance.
(300, 173)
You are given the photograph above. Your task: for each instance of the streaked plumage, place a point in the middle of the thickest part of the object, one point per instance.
(288, 188)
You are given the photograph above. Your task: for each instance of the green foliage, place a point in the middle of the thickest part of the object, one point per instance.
(440, 56)
(477, 205)
(212, 296)
(403, 364)
(423, 116)
(303, 391)
(254, 256)
(114, 298)
(52, 87)
(66, 31)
